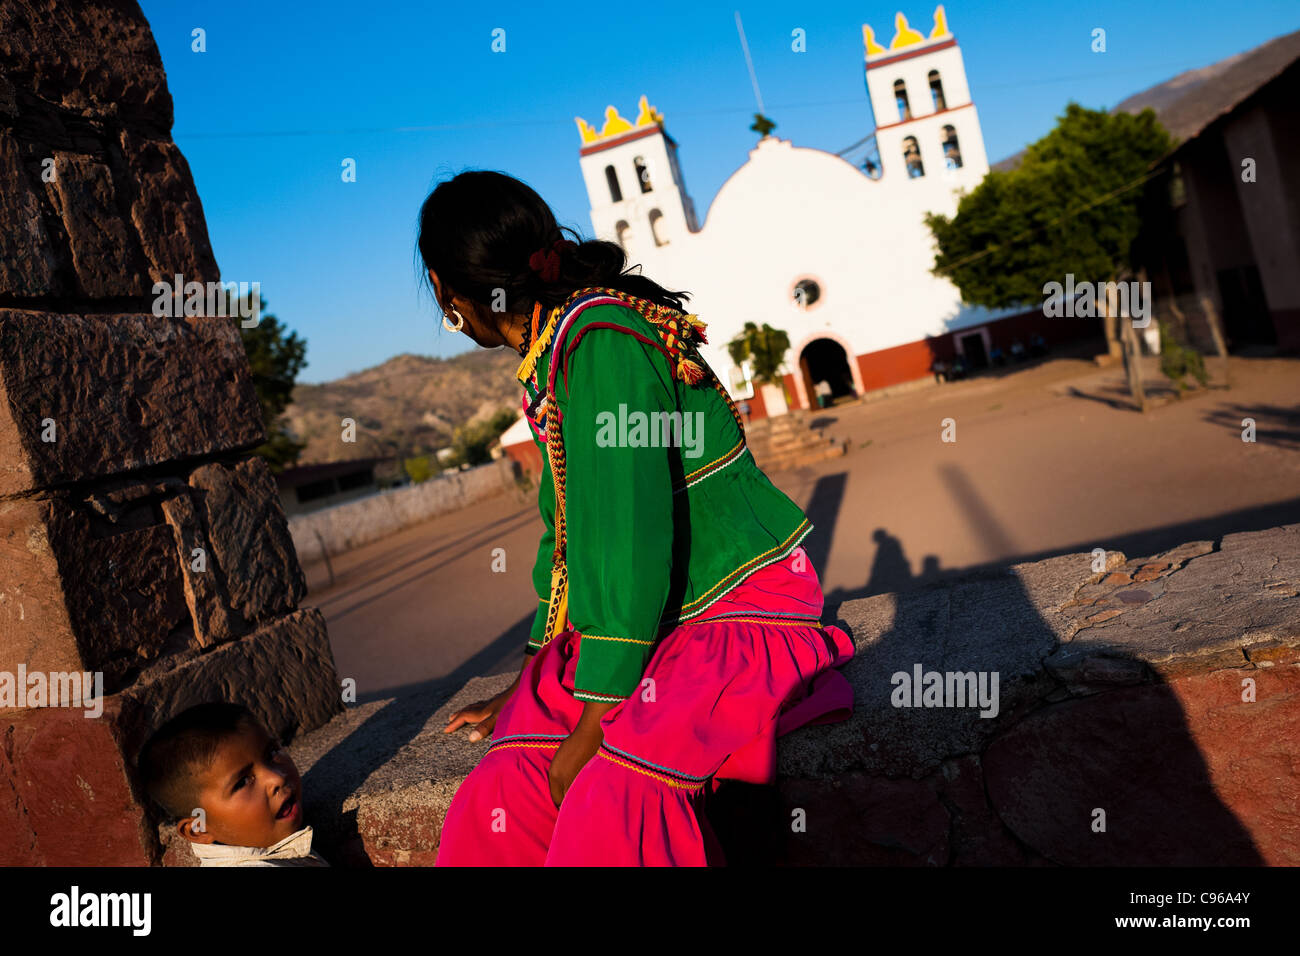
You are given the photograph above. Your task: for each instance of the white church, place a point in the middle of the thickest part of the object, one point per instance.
(834, 254)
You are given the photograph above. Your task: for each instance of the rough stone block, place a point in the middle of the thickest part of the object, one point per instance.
(166, 211)
(1208, 613)
(28, 266)
(81, 592)
(18, 845)
(124, 391)
(1186, 774)
(35, 628)
(283, 673)
(205, 593)
(123, 592)
(106, 255)
(863, 820)
(250, 538)
(96, 57)
(74, 791)
(977, 835)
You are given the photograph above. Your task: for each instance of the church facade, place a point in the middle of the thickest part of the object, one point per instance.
(834, 254)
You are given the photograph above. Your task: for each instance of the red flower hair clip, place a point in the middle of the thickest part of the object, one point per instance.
(547, 260)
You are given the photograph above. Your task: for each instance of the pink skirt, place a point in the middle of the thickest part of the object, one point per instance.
(722, 687)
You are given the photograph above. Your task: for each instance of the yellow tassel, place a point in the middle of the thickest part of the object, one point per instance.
(689, 371)
(693, 322)
(559, 607)
(529, 363)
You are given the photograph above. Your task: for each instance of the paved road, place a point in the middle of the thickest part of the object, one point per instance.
(1046, 461)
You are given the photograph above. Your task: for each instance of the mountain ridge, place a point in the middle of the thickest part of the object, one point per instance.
(406, 406)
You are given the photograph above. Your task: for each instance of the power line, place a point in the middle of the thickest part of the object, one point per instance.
(711, 111)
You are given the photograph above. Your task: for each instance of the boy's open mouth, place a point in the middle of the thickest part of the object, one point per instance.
(288, 808)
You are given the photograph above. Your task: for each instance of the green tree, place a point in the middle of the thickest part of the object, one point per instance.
(472, 443)
(764, 348)
(419, 469)
(1073, 205)
(1178, 361)
(274, 359)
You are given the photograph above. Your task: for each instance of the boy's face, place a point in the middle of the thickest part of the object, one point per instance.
(251, 793)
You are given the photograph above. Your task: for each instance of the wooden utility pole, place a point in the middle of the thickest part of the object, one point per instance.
(1133, 362)
(1216, 330)
(1131, 350)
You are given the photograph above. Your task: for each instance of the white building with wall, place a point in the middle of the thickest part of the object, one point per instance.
(837, 256)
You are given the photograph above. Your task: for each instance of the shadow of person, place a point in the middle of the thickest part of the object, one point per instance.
(1069, 750)
(890, 569)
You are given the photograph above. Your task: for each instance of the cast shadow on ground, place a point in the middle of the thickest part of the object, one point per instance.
(1048, 768)
(1274, 424)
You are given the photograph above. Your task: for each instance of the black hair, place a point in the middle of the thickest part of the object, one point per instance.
(479, 229)
(185, 746)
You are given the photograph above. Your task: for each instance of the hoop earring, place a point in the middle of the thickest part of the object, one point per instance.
(460, 320)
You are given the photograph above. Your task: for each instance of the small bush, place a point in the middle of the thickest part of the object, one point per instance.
(1178, 360)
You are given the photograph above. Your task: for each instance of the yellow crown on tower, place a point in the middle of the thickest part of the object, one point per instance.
(616, 125)
(904, 35)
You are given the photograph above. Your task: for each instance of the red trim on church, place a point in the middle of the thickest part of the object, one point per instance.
(873, 64)
(914, 119)
(902, 363)
(625, 138)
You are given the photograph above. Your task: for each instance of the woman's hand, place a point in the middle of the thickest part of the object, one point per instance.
(579, 747)
(483, 715)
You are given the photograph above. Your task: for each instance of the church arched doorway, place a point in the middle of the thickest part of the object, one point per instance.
(824, 360)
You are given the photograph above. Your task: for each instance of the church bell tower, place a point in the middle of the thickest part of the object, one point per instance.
(926, 125)
(634, 183)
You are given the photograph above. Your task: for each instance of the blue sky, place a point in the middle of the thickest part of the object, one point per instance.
(414, 93)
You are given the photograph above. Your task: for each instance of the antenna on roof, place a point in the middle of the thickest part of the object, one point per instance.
(762, 125)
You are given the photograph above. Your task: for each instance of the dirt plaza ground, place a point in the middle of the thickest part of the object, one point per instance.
(1047, 460)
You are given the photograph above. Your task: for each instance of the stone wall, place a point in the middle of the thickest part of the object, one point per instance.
(354, 523)
(137, 538)
(1147, 714)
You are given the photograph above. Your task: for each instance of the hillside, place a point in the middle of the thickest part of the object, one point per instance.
(406, 406)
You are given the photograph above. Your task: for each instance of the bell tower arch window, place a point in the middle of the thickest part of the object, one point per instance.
(642, 173)
(912, 157)
(657, 227)
(611, 177)
(936, 92)
(900, 98)
(951, 151)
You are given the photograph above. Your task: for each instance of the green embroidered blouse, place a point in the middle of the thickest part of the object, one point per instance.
(666, 508)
